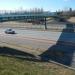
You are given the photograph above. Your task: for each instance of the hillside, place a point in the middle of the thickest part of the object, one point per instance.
(15, 66)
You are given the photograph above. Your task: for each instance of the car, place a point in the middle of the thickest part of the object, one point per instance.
(9, 31)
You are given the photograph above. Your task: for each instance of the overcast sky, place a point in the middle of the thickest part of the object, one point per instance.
(50, 5)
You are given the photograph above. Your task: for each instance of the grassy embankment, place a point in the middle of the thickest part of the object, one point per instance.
(10, 65)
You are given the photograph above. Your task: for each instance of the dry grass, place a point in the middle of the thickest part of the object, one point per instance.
(15, 66)
(72, 20)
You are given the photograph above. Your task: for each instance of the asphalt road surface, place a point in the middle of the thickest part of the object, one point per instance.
(35, 39)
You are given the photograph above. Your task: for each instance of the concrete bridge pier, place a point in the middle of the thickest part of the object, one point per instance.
(45, 24)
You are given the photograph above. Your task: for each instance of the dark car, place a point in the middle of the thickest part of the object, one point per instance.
(9, 31)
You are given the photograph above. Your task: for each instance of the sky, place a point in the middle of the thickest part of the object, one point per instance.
(48, 5)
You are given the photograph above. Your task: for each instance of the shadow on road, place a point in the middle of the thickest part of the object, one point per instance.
(61, 52)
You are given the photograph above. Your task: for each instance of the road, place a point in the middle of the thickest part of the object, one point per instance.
(35, 39)
(28, 38)
(37, 42)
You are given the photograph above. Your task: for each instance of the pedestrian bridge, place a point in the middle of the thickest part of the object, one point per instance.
(25, 16)
(36, 18)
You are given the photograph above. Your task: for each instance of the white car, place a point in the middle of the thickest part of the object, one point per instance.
(9, 31)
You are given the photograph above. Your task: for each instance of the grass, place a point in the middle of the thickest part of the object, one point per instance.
(15, 66)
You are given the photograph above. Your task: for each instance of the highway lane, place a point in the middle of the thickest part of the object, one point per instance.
(28, 43)
(34, 40)
(46, 35)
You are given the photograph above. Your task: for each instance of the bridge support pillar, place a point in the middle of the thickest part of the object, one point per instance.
(45, 24)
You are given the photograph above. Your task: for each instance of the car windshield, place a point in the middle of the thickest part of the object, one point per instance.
(9, 29)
